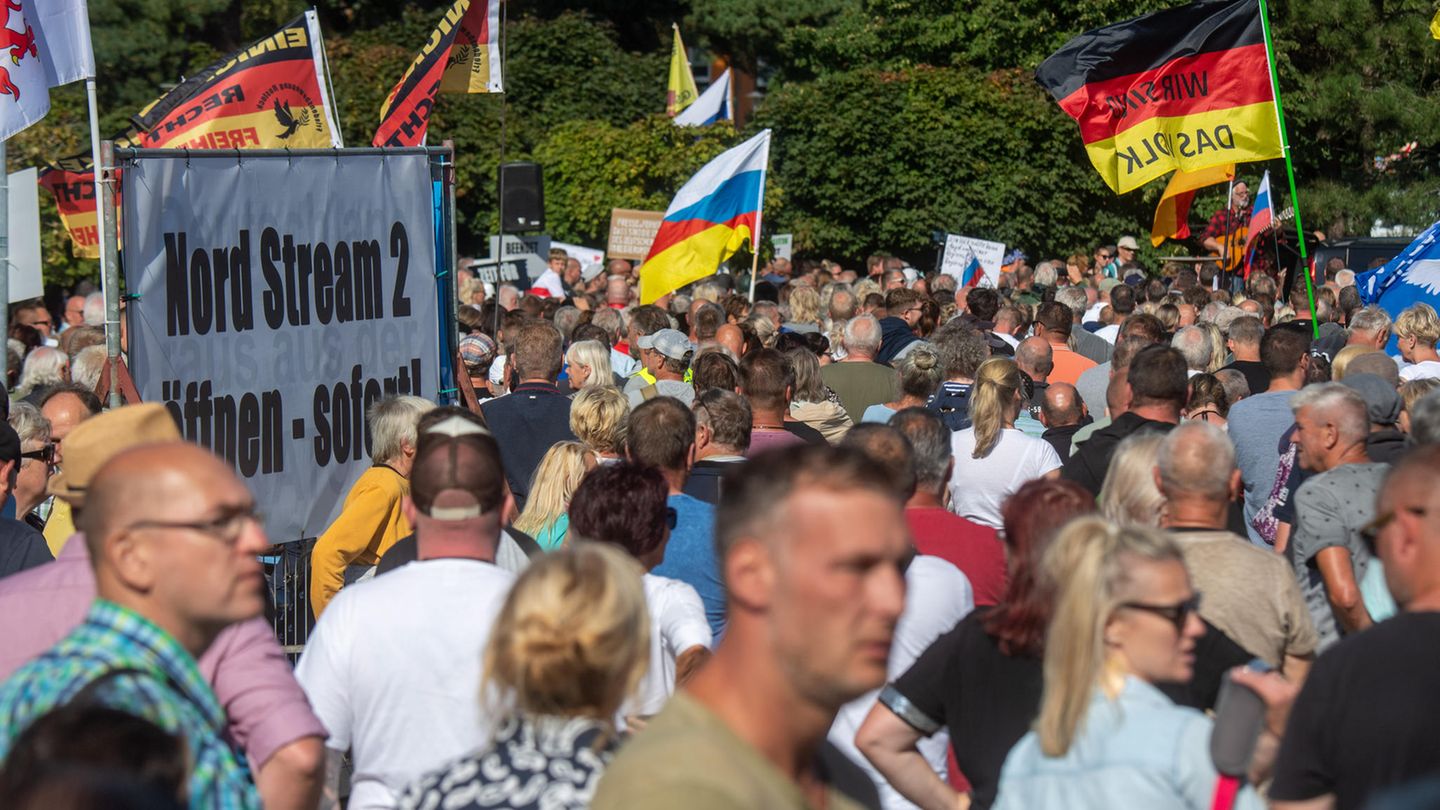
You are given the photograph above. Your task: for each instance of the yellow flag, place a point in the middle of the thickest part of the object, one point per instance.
(1435, 25)
(682, 82)
(1173, 213)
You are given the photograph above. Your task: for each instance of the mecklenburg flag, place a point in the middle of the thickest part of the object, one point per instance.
(270, 95)
(461, 56)
(1172, 215)
(709, 219)
(682, 92)
(1181, 89)
(1262, 218)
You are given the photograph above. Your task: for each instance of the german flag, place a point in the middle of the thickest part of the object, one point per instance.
(1181, 89)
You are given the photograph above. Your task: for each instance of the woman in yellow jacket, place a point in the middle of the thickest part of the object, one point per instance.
(371, 520)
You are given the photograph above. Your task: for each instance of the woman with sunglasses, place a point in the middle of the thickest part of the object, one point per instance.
(625, 504)
(1125, 620)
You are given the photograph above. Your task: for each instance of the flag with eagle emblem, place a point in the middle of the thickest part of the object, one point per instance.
(270, 95)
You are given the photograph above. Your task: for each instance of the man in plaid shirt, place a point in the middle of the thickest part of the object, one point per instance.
(166, 587)
(1227, 221)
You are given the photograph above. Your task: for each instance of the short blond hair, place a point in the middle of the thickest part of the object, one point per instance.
(573, 637)
(1129, 495)
(599, 417)
(1420, 322)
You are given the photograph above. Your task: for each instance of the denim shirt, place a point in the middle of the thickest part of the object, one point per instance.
(1139, 750)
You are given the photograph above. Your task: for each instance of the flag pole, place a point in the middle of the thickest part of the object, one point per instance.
(759, 215)
(100, 235)
(1289, 164)
(1225, 240)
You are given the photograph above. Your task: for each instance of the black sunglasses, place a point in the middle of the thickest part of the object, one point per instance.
(1176, 614)
(45, 454)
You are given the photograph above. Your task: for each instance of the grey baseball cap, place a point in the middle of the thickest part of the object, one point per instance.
(668, 342)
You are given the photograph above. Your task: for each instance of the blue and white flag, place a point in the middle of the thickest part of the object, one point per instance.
(712, 105)
(1411, 277)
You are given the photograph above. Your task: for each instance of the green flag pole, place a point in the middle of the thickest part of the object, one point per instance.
(1289, 165)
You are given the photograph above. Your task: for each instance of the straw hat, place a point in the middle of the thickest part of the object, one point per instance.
(100, 438)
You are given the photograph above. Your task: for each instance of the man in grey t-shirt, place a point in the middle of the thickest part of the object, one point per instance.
(1257, 422)
(1329, 556)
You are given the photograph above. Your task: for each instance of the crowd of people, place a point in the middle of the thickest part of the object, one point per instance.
(853, 538)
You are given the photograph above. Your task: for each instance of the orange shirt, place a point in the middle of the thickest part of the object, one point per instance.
(1069, 365)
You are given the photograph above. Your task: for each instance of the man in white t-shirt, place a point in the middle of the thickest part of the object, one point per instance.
(937, 596)
(392, 669)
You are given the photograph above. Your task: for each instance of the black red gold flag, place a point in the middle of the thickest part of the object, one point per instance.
(1181, 89)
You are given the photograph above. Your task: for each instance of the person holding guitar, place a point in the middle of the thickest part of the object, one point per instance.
(1225, 235)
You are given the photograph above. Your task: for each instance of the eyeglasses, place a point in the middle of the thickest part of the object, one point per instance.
(671, 517)
(1370, 532)
(45, 453)
(227, 528)
(1106, 255)
(1176, 614)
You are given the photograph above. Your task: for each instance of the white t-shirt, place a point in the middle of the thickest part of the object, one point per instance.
(551, 281)
(937, 597)
(1425, 369)
(677, 623)
(979, 486)
(1108, 333)
(392, 669)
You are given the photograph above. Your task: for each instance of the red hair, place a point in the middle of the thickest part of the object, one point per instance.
(1032, 516)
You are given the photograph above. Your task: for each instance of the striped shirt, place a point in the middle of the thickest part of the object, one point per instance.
(161, 683)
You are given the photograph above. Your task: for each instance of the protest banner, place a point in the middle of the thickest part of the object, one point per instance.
(269, 324)
(580, 253)
(23, 230)
(632, 232)
(784, 244)
(990, 254)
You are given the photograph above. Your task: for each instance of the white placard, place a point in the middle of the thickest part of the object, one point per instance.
(784, 245)
(580, 253)
(276, 299)
(990, 254)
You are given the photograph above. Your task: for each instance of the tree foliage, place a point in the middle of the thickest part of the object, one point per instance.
(892, 118)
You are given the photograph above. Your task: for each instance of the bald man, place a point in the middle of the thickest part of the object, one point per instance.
(1035, 357)
(173, 537)
(1366, 718)
(1062, 412)
(731, 337)
(1250, 593)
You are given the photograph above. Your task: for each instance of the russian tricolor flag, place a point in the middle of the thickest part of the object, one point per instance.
(1262, 217)
(971, 274)
(710, 218)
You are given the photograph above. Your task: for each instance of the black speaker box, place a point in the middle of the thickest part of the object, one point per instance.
(522, 198)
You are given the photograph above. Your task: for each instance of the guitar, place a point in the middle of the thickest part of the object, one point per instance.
(1234, 242)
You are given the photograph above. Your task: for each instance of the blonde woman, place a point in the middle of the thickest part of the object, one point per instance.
(1125, 619)
(1129, 495)
(599, 419)
(559, 473)
(587, 365)
(992, 458)
(1416, 331)
(804, 309)
(1218, 350)
(812, 402)
(569, 647)
(1341, 364)
(1412, 392)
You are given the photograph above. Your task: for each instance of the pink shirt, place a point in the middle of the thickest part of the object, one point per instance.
(245, 666)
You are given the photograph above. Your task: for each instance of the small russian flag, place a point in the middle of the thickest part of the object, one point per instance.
(971, 275)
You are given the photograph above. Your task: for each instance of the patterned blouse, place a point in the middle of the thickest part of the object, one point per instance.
(535, 763)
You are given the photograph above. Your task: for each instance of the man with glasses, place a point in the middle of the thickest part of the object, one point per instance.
(34, 314)
(21, 546)
(1365, 721)
(265, 712)
(1329, 556)
(37, 462)
(173, 538)
(1225, 234)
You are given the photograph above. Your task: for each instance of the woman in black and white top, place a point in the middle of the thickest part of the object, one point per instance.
(570, 645)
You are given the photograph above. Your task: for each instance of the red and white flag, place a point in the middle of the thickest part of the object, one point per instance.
(45, 43)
